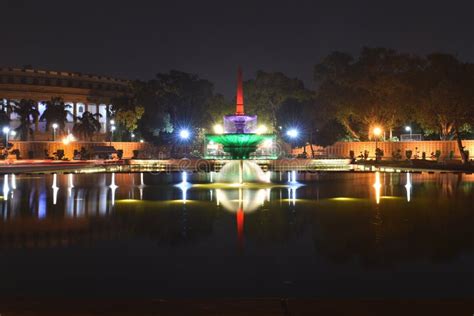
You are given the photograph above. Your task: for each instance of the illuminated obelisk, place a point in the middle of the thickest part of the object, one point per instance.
(240, 94)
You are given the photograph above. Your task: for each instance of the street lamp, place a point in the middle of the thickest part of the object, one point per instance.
(262, 129)
(292, 133)
(408, 129)
(6, 131)
(112, 130)
(184, 134)
(55, 126)
(218, 129)
(132, 136)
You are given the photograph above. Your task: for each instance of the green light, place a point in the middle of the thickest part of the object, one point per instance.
(239, 146)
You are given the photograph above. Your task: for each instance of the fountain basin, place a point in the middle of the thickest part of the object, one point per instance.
(239, 146)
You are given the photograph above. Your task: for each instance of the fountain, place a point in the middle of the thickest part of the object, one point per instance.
(239, 140)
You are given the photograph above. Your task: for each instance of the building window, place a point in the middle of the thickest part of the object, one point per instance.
(80, 109)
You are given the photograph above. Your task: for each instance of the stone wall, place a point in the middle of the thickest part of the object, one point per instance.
(342, 149)
(39, 147)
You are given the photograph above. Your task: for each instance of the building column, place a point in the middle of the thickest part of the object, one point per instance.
(74, 111)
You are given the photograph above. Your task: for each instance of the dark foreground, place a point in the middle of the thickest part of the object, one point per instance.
(180, 244)
(263, 307)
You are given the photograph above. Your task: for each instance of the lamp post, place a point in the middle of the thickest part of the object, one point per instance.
(6, 131)
(184, 134)
(55, 126)
(112, 130)
(377, 132)
(132, 136)
(408, 129)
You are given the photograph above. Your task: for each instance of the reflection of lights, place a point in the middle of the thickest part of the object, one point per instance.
(70, 183)
(408, 186)
(292, 176)
(55, 188)
(13, 181)
(142, 184)
(42, 205)
(267, 143)
(218, 129)
(211, 176)
(184, 186)
(377, 187)
(6, 188)
(113, 187)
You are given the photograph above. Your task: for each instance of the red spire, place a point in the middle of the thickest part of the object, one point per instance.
(240, 94)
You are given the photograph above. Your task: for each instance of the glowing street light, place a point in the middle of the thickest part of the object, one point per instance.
(184, 134)
(55, 127)
(218, 129)
(292, 133)
(262, 129)
(408, 129)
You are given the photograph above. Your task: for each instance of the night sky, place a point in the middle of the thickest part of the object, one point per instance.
(137, 39)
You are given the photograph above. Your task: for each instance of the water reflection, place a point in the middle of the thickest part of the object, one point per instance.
(408, 187)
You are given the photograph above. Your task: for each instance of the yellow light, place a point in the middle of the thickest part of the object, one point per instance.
(218, 129)
(262, 129)
(377, 131)
(69, 138)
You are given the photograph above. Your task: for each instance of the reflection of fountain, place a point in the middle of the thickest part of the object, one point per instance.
(240, 137)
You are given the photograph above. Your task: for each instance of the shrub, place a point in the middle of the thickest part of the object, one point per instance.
(119, 153)
(437, 154)
(397, 155)
(60, 154)
(16, 152)
(378, 154)
(408, 154)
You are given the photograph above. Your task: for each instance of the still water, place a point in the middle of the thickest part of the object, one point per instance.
(329, 235)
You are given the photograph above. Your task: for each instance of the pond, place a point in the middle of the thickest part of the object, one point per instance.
(328, 235)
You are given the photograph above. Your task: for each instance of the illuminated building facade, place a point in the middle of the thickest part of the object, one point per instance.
(82, 92)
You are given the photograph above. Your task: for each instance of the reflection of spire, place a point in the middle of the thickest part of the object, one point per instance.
(240, 94)
(377, 187)
(55, 188)
(240, 222)
(408, 186)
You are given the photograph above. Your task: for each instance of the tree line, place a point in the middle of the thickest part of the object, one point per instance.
(380, 87)
(352, 95)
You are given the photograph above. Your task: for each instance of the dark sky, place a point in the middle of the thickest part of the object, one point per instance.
(136, 39)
